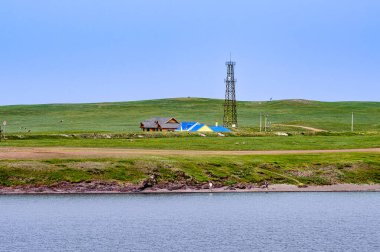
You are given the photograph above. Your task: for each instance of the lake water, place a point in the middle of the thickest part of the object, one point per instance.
(191, 222)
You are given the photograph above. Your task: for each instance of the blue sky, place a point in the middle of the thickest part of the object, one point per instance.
(94, 51)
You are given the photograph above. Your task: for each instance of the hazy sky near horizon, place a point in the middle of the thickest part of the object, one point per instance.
(119, 50)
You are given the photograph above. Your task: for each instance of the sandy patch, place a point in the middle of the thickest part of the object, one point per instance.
(38, 153)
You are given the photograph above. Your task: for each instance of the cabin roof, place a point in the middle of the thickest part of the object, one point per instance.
(162, 122)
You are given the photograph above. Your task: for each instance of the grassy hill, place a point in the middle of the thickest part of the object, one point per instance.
(126, 116)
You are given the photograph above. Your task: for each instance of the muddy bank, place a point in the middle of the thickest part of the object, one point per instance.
(114, 187)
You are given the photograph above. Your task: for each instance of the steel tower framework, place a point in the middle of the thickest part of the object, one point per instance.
(230, 115)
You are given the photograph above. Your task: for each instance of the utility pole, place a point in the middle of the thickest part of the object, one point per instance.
(4, 124)
(352, 122)
(260, 121)
(265, 122)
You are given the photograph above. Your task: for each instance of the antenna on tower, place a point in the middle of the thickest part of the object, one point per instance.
(230, 115)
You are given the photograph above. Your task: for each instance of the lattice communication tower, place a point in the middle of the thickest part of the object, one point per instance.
(230, 115)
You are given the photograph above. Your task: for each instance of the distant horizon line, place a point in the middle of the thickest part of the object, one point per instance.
(182, 98)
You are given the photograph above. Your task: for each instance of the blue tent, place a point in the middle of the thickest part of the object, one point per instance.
(220, 129)
(186, 126)
(195, 126)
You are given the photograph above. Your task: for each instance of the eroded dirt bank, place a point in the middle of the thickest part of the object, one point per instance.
(99, 187)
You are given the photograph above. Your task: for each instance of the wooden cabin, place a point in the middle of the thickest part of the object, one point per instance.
(160, 124)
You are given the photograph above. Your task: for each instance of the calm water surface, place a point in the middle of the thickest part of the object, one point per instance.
(192, 222)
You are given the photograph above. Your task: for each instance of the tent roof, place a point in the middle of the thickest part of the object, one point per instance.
(186, 125)
(220, 129)
(196, 127)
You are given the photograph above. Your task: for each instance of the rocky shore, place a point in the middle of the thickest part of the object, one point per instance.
(102, 187)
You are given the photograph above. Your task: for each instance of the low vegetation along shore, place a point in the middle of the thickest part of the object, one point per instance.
(307, 172)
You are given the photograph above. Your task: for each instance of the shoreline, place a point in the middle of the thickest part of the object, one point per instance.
(43, 190)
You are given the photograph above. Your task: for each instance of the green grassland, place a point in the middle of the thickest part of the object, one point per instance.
(298, 142)
(310, 169)
(116, 125)
(126, 116)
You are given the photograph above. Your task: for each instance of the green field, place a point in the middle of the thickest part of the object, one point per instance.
(126, 116)
(116, 125)
(210, 143)
(316, 169)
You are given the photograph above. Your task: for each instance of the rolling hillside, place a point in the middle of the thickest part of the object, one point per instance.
(125, 116)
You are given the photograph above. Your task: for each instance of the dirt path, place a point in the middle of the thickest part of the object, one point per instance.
(301, 127)
(21, 153)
